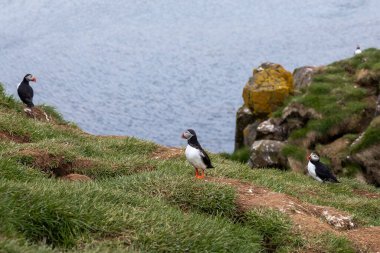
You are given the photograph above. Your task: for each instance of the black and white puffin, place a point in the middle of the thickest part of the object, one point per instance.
(195, 154)
(358, 50)
(318, 170)
(25, 91)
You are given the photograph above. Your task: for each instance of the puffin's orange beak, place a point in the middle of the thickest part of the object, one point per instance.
(34, 79)
(308, 157)
(183, 136)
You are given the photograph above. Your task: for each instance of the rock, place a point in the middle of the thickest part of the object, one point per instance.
(270, 130)
(335, 151)
(267, 88)
(369, 160)
(294, 116)
(308, 141)
(267, 153)
(250, 133)
(366, 78)
(244, 117)
(337, 220)
(302, 76)
(296, 165)
(38, 114)
(357, 140)
(299, 111)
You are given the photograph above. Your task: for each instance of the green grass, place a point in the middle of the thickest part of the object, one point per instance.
(328, 242)
(276, 229)
(294, 151)
(334, 94)
(139, 204)
(241, 155)
(63, 214)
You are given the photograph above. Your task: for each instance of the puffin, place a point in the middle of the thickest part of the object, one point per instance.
(318, 170)
(358, 50)
(195, 154)
(25, 91)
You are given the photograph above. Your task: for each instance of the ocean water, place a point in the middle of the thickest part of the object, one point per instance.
(152, 69)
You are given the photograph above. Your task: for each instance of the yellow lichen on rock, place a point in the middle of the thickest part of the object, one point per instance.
(268, 88)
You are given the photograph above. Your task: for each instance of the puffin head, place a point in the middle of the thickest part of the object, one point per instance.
(313, 157)
(357, 47)
(188, 134)
(30, 77)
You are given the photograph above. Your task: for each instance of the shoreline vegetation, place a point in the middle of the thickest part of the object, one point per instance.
(62, 189)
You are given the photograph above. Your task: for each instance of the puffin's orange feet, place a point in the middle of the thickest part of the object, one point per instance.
(197, 175)
(202, 175)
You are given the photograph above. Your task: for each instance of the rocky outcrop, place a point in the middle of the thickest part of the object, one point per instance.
(332, 106)
(302, 76)
(267, 88)
(296, 165)
(335, 151)
(294, 116)
(271, 129)
(263, 93)
(250, 133)
(244, 117)
(366, 78)
(267, 153)
(369, 160)
(297, 111)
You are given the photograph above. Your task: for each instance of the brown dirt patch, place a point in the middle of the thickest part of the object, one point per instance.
(76, 177)
(367, 194)
(309, 219)
(56, 165)
(164, 153)
(14, 138)
(250, 196)
(39, 114)
(368, 238)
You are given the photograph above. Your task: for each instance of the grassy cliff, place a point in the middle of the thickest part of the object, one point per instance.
(141, 197)
(344, 93)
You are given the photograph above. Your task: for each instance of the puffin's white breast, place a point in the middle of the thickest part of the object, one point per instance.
(193, 155)
(311, 169)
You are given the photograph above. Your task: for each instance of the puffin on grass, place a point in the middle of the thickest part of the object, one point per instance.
(25, 91)
(318, 170)
(195, 154)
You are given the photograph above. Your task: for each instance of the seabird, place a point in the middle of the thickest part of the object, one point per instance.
(318, 170)
(25, 91)
(358, 50)
(195, 154)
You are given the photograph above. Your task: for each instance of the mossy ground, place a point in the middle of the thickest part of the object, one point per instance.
(139, 204)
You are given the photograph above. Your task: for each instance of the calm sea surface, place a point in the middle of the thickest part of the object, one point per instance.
(152, 69)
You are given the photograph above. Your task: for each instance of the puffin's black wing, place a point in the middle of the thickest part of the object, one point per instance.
(206, 160)
(324, 173)
(25, 92)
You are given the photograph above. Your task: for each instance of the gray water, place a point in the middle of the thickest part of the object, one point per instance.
(152, 69)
